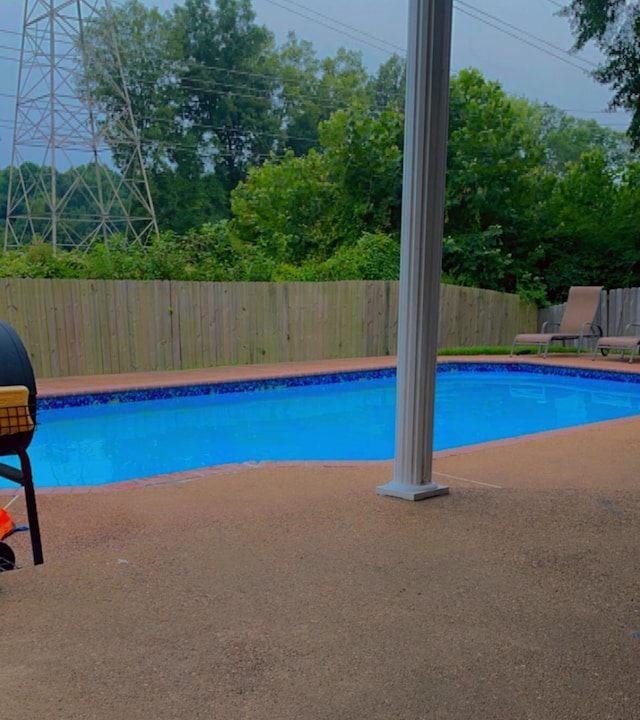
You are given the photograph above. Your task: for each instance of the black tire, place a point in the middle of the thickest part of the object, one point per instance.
(604, 351)
(7, 558)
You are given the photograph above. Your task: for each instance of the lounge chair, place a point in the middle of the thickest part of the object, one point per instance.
(577, 322)
(620, 342)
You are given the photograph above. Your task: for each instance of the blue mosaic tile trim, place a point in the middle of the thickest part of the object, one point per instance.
(52, 403)
(516, 367)
(163, 393)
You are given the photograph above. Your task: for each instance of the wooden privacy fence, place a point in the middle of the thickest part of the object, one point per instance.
(85, 327)
(617, 309)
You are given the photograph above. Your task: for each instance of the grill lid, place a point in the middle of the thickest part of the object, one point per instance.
(16, 369)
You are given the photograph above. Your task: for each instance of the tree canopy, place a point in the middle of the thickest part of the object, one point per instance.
(614, 26)
(270, 163)
(212, 96)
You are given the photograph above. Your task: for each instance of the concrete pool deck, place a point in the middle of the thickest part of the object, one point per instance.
(287, 591)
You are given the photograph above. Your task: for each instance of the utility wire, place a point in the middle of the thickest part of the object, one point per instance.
(242, 90)
(336, 29)
(224, 90)
(522, 32)
(204, 83)
(158, 145)
(460, 6)
(231, 90)
(526, 42)
(338, 22)
(591, 112)
(470, 12)
(11, 48)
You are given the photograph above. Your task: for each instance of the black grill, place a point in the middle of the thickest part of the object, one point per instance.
(16, 369)
(17, 425)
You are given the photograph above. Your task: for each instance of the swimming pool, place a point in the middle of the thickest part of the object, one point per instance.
(105, 438)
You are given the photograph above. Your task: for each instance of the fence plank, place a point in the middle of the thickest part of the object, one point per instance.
(110, 326)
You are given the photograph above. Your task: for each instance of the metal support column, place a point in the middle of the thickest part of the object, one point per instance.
(425, 154)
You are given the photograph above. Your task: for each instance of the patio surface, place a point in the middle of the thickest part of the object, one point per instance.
(293, 591)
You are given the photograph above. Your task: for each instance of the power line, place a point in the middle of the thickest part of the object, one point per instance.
(335, 29)
(377, 39)
(591, 112)
(458, 3)
(521, 39)
(522, 32)
(165, 145)
(242, 90)
(338, 22)
(231, 89)
(469, 12)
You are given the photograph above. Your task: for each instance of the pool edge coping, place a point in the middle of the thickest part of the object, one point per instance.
(79, 385)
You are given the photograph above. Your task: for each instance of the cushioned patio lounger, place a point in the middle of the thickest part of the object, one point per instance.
(577, 322)
(620, 342)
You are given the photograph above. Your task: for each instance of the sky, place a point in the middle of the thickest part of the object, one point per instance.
(522, 44)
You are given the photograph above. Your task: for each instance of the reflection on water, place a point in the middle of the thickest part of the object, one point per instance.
(621, 400)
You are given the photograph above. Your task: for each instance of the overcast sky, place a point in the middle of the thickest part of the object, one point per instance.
(377, 28)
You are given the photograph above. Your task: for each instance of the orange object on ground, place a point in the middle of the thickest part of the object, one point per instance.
(7, 526)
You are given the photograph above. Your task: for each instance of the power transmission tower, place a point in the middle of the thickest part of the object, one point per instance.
(63, 186)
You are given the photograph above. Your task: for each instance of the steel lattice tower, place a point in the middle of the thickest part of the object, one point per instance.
(63, 136)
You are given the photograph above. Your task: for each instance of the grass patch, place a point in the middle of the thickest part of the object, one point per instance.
(475, 351)
(520, 350)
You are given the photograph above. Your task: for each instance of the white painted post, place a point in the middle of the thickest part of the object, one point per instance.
(425, 153)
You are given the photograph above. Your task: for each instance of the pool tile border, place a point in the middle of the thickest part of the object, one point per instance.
(224, 387)
(214, 388)
(535, 368)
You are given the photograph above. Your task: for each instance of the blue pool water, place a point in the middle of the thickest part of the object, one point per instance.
(110, 439)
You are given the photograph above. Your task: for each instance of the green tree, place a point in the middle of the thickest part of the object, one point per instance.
(477, 259)
(492, 156)
(296, 96)
(566, 138)
(496, 180)
(141, 37)
(150, 59)
(310, 90)
(226, 87)
(284, 208)
(614, 25)
(387, 87)
(200, 83)
(375, 256)
(363, 155)
(344, 81)
(592, 216)
(211, 96)
(300, 208)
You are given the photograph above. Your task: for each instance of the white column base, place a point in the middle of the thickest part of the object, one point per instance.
(407, 491)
